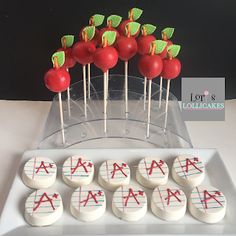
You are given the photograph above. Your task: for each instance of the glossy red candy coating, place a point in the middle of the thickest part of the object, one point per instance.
(144, 42)
(121, 28)
(103, 30)
(105, 58)
(83, 52)
(69, 58)
(171, 68)
(94, 39)
(164, 52)
(150, 66)
(57, 80)
(126, 47)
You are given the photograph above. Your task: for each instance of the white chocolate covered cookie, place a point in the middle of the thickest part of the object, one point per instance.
(168, 203)
(39, 172)
(88, 203)
(113, 173)
(129, 203)
(152, 172)
(43, 207)
(77, 171)
(188, 170)
(207, 204)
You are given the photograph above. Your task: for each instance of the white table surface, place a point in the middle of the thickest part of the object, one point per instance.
(22, 122)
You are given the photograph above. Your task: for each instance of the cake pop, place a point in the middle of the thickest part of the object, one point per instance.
(83, 53)
(171, 68)
(105, 58)
(143, 48)
(166, 34)
(95, 20)
(57, 80)
(66, 42)
(113, 22)
(150, 66)
(127, 48)
(133, 15)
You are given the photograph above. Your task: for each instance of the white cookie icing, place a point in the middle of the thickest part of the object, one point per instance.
(207, 204)
(129, 203)
(168, 202)
(39, 172)
(43, 207)
(77, 171)
(152, 172)
(113, 173)
(188, 170)
(88, 203)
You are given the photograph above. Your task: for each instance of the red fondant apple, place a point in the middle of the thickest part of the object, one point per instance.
(126, 45)
(95, 20)
(69, 61)
(67, 41)
(83, 50)
(57, 79)
(150, 65)
(112, 23)
(133, 15)
(166, 35)
(145, 39)
(171, 68)
(106, 57)
(171, 65)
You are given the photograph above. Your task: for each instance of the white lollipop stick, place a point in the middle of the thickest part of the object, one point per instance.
(89, 83)
(62, 120)
(160, 94)
(85, 92)
(126, 87)
(144, 93)
(107, 84)
(104, 101)
(167, 95)
(167, 102)
(149, 107)
(68, 98)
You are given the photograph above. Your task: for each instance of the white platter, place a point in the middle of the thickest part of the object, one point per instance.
(13, 223)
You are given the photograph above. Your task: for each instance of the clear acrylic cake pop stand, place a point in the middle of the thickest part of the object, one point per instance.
(123, 130)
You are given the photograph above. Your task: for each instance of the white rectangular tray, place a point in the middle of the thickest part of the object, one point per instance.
(13, 223)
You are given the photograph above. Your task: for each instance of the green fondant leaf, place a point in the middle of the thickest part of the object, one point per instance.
(110, 36)
(135, 13)
(133, 27)
(60, 58)
(68, 40)
(90, 30)
(149, 28)
(160, 46)
(174, 48)
(168, 32)
(115, 20)
(97, 19)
